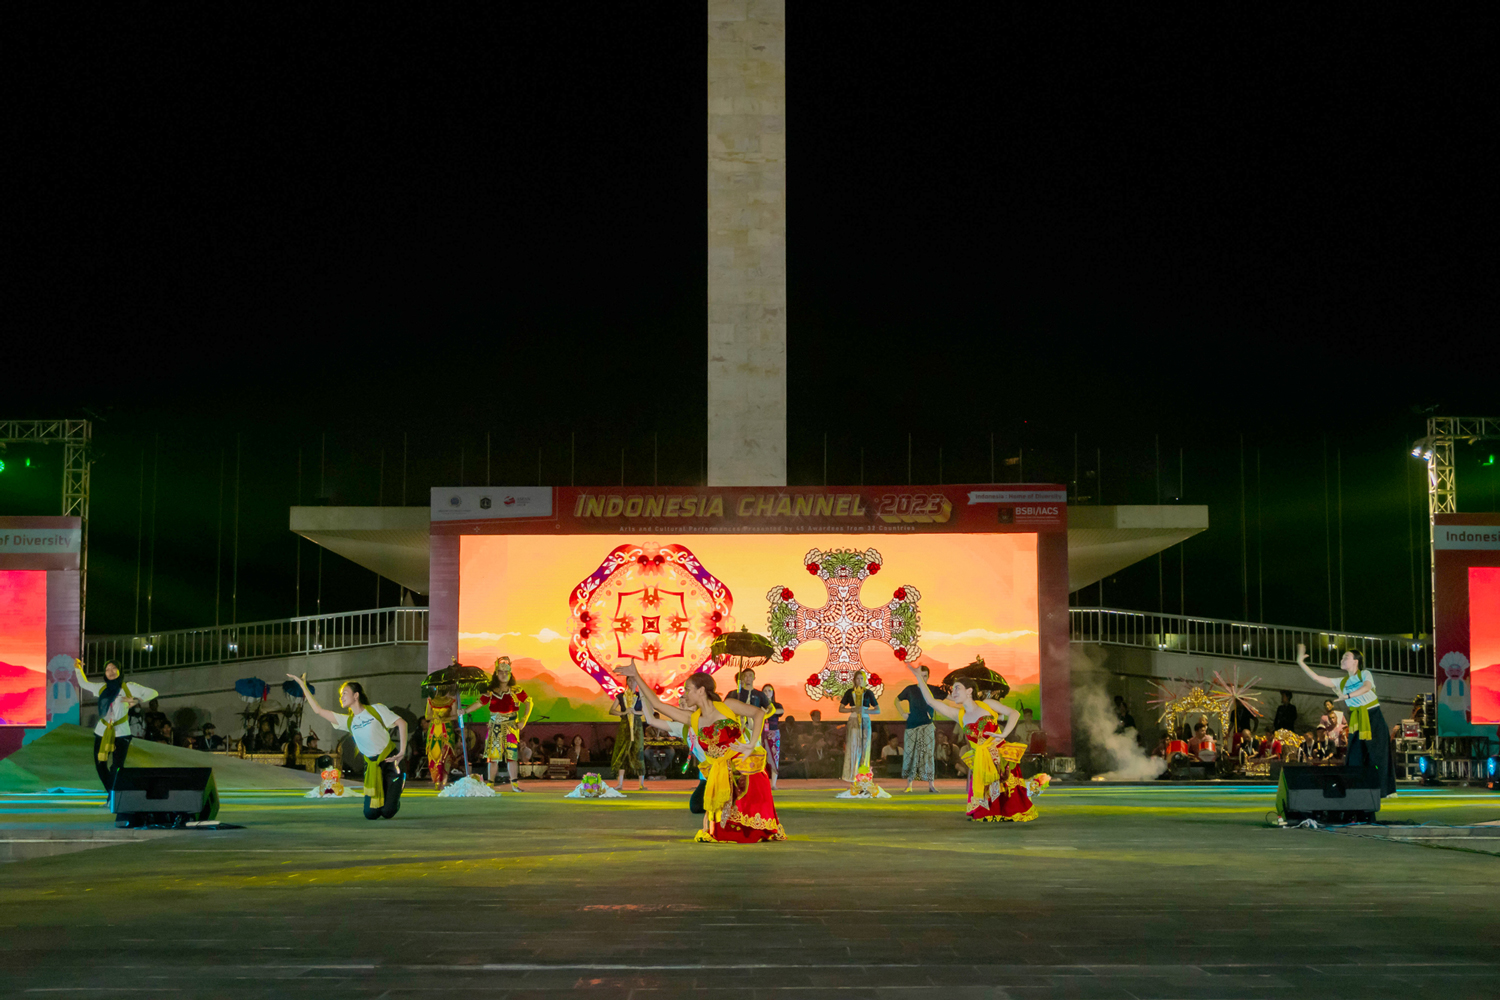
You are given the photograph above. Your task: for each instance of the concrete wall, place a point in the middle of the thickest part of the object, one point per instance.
(746, 243)
(191, 696)
(1129, 671)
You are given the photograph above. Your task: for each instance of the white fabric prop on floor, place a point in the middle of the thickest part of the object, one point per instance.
(468, 788)
(865, 789)
(330, 794)
(593, 787)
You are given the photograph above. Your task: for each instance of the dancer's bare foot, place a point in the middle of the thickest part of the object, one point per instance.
(931, 786)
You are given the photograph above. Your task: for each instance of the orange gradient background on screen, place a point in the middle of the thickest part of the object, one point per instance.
(979, 598)
(23, 647)
(1484, 644)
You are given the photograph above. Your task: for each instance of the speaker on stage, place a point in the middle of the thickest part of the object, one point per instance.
(164, 796)
(1331, 794)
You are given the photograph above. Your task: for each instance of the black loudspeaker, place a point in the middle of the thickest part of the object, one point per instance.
(1331, 794)
(164, 796)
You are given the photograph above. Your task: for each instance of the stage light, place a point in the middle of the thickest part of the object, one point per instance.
(234, 647)
(1427, 769)
(1492, 767)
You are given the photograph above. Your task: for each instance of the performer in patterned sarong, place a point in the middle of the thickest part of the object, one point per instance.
(442, 735)
(918, 759)
(996, 789)
(509, 709)
(771, 733)
(738, 805)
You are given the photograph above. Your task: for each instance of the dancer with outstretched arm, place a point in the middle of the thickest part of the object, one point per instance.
(370, 725)
(997, 792)
(738, 805)
(112, 733)
(1369, 737)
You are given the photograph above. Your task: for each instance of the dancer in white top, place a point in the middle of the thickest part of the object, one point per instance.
(112, 734)
(370, 725)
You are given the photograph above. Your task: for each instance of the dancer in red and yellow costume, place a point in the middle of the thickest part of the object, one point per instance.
(997, 792)
(509, 709)
(442, 735)
(738, 807)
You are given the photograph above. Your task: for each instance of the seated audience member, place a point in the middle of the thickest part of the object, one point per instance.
(1322, 745)
(164, 732)
(892, 748)
(1027, 728)
(211, 738)
(578, 753)
(559, 747)
(1244, 743)
(1333, 721)
(311, 742)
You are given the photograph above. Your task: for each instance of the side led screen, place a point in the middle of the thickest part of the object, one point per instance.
(1484, 643)
(569, 610)
(23, 648)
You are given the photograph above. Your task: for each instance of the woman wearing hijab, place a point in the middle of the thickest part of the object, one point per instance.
(112, 733)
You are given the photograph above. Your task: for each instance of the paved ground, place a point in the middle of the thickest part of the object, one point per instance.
(1115, 892)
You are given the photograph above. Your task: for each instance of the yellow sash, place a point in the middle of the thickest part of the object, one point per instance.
(374, 787)
(982, 763)
(107, 741)
(1359, 721)
(718, 772)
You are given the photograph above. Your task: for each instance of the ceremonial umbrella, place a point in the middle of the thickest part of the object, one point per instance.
(470, 680)
(744, 647)
(984, 682)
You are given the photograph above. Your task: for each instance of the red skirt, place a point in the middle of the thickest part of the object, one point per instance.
(752, 817)
(1004, 801)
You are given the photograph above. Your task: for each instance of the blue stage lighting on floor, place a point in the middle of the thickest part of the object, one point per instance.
(1492, 772)
(1427, 769)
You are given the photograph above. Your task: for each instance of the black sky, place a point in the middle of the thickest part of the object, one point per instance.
(1156, 229)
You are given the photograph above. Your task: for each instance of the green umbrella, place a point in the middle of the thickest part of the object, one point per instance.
(984, 682)
(470, 680)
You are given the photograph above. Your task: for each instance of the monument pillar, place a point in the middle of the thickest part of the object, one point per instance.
(746, 243)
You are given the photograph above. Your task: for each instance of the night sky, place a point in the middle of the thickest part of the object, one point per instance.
(349, 235)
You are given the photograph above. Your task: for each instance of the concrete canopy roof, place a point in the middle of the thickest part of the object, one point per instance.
(392, 541)
(1104, 540)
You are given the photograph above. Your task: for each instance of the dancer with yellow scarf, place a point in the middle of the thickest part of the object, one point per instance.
(738, 805)
(370, 725)
(997, 792)
(1369, 737)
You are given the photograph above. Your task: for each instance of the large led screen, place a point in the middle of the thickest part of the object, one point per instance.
(1484, 642)
(569, 609)
(23, 648)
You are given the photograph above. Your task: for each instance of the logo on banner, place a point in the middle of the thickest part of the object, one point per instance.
(484, 503)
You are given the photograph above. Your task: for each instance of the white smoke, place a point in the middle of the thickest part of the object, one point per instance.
(1094, 718)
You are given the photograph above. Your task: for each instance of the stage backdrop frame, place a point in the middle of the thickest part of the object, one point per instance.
(50, 545)
(1034, 508)
(1461, 543)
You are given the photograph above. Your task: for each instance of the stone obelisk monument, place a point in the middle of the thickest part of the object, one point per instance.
(746, 242)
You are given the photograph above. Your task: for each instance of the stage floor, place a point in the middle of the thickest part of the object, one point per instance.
(1116, 891)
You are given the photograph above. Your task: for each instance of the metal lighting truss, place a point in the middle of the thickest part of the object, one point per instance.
(75, 437)
(1442, 479)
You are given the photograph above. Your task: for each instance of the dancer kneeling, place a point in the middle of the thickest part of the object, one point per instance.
(997, 792)
(370, 726)
(737, 801)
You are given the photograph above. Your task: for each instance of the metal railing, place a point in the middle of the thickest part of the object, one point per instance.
(257, 640)
(1246, 640)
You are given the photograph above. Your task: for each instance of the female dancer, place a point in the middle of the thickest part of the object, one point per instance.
(996, 788)
(112, 733)
(442, 734)
(630, 738)
(737, 801)
(771, 734)
(509, 709)
(370, 726)
(1369, 736)
(859, 702)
